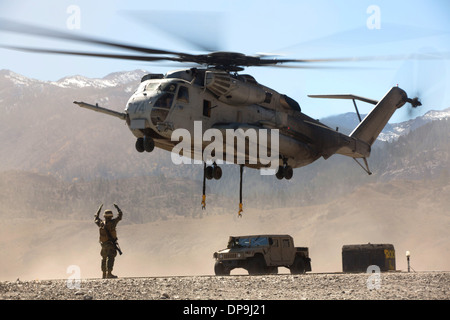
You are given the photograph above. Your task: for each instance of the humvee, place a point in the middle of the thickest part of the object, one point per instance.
(262, 254)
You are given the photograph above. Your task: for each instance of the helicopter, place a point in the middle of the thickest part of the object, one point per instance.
(215, 95)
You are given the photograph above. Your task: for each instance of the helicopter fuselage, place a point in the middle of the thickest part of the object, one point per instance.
(197, 100)
(223, 101)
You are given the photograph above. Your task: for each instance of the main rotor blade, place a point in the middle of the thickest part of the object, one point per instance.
(416, 56)
(93, 54)
(281, 66)
(394, 33)
(222, 59)
(27, 29)
(202, 31)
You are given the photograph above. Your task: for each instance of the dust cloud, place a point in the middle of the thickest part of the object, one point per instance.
(412, 216)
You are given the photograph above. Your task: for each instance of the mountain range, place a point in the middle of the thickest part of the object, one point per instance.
(43, 132)
(59, 162)
(392, 131)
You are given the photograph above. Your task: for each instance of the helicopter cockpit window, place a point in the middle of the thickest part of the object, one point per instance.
(141, 87)
(165, 101)
(151, 86)
(183, 94)
(147, 86)
(170, 87)
(161, 108)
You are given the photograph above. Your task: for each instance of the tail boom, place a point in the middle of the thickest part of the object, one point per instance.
(372, 125)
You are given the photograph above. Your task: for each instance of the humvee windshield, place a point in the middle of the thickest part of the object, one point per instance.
(248, 242)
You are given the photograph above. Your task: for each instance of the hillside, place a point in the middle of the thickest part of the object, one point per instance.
(26, 194)
(421, 155)
(42, 131)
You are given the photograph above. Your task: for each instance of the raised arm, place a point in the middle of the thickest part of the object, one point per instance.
(119, 211)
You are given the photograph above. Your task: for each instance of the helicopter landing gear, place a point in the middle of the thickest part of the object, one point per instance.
(140, 145)
(149, 144)
(145, 144)
(213, 172)
(241, 170)
(209, 172)
(285, 171)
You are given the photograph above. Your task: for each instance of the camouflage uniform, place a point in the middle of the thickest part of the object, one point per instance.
(108, 251)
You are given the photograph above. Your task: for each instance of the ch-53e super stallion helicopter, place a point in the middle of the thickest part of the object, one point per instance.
(216, 95)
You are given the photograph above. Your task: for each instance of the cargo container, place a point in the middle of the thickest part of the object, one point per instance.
(358, 257)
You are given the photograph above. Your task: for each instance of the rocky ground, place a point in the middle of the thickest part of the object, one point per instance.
(339, 286)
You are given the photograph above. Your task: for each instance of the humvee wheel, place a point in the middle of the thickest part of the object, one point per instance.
(257, 265)
(272, 270)
(298, 266)
(220, 270)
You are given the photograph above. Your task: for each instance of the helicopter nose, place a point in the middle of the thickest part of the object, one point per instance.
(149, 112)
(137, 109)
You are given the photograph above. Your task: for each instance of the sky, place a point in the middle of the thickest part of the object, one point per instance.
(291, 29)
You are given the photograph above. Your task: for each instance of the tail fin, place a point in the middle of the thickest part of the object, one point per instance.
(369, 129)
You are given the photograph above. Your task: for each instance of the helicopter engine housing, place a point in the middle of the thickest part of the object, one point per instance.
(234, 91)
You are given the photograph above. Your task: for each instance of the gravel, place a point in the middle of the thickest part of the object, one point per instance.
(310, 286)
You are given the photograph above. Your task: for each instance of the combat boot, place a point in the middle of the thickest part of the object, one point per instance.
(104, 275)
(110, 275)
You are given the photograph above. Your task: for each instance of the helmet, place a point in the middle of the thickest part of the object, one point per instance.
(108, 214)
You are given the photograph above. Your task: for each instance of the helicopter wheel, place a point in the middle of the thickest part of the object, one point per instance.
(284, 172)
(149, 144)
(140, 145)
(217, 172)
(209, 172)
(280, 173)
(288, 172)
(213, 172)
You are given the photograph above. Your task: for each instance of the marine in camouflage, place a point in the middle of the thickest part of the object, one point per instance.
(107, 242)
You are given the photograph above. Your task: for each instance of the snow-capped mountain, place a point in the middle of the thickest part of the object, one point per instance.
(111, 80)
(130, 79)
(77, 81)
(346, 122)
(41, 130)
(17, 79)
(393, 131)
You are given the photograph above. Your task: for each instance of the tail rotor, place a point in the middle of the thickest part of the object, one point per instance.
(425, 79)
